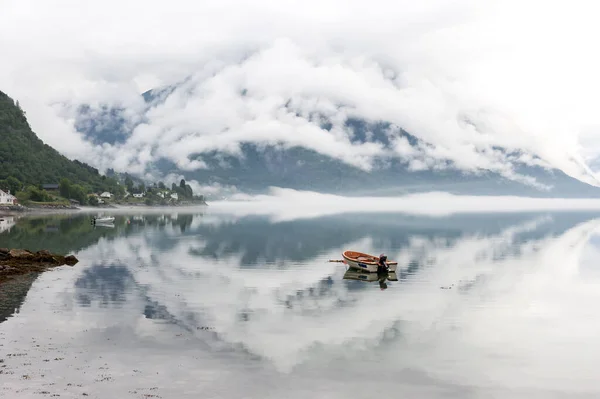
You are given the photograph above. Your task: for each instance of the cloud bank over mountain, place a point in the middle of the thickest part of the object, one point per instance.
(480, 86)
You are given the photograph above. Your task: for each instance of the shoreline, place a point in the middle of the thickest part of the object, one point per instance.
(45, 210)
(22, 211)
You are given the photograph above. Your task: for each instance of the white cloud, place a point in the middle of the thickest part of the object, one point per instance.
(287, 204)
(523, 74)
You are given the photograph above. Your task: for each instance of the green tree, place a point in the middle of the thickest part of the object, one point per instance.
(129, 184)
(11, 184)
(64, 187)
(35, 194)
(78, 193)
(118, 190)
(182, 184)
(161, 185)
(189, 193)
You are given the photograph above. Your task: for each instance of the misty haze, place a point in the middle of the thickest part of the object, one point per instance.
(335, 199)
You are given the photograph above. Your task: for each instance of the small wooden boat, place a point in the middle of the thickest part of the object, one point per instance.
(352, 274)
(366, 262)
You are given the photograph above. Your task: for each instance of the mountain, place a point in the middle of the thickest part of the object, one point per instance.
(304, 169)
(259, 167)
(26, 158)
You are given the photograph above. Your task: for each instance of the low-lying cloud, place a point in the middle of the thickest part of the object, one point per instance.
(466, 79)
(287, 204)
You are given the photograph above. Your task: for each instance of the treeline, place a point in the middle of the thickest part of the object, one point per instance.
(66, 189)
(184, 192)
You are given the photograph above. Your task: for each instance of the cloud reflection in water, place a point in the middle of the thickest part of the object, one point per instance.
(516, 314)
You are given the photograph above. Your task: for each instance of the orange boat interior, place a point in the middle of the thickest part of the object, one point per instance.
(365, 258)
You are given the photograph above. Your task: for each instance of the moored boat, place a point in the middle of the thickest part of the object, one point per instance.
(103, 219)
(366, 262)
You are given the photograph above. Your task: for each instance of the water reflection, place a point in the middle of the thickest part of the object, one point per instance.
(106, 285)
(6, 223)
(13, 294)
(380, 278)
(478, 306)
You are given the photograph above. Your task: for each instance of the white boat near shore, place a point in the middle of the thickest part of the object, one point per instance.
(103, 219)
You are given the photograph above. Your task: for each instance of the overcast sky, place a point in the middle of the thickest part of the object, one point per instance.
(463, 76)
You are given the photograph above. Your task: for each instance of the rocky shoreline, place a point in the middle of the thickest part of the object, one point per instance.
(15, 262)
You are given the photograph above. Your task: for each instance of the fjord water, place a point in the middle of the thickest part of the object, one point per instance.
(201, 305)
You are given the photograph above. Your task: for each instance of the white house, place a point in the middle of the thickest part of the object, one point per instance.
(7, 198)
(174, 196)
(106, 194)
(161, 194)
(138, 195)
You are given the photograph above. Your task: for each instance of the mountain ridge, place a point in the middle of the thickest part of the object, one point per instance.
(258, 166)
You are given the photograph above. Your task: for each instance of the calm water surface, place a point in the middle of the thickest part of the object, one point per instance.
(216, 306)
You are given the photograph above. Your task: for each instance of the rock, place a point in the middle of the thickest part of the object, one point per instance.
(3, 251)
(22, 261)
(20, 254)
(45, 256)
(8, 269)
(71, 260)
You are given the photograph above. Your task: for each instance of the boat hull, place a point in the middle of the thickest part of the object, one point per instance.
(365, 262)
(108, 219)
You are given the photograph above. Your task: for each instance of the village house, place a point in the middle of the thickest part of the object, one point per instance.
(50, 187)
(7, 199)
(106, 194)
(174, 196)
(138, 195)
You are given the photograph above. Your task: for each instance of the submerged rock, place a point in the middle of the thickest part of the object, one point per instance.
(15, 262)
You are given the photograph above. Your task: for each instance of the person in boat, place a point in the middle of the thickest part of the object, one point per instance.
(382, 266)
(382, 271)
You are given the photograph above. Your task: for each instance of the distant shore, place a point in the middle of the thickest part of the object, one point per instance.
(22, 210)
(14, 210)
